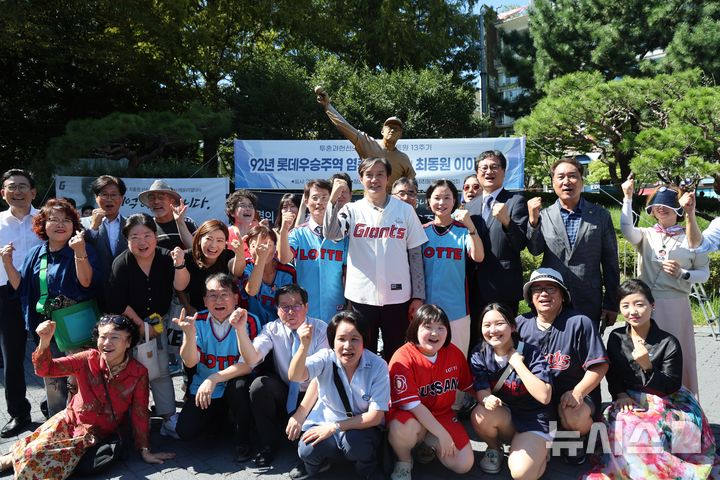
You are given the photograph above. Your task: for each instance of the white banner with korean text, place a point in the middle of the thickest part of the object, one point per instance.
(205, 197)
(289, 164)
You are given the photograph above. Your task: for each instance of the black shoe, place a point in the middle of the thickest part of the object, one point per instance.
(242, 453)
(264, 457)
(15, 426)
(44, 409)
(300, 472)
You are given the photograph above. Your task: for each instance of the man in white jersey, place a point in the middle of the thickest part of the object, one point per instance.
(385, 279)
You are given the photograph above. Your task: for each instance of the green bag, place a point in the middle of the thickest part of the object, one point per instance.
(74, 323)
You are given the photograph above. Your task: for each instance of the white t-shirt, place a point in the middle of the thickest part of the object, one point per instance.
(378, 272)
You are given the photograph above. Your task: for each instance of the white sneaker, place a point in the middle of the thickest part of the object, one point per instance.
(168, 427)
(402, 471)
(492, 461)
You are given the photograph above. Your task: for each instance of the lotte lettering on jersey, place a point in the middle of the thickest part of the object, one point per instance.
(444, 260)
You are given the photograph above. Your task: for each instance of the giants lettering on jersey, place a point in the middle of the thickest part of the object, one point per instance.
(393, 231)
(557, 360)
(438, 388)
(222, 362)
(443, 252)
(325, 254)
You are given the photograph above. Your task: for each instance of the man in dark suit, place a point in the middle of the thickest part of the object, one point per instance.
(577, 238)
(501, 220)
(104, 226)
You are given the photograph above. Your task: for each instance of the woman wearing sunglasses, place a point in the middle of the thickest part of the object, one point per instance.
(111, 384)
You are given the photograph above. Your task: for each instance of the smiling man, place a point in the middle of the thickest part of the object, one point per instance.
(168, 208)
(319, 261)
(104, 225)
(500, 218)
(273, 397)
(18, 191)
(366, 146)
(577, 238)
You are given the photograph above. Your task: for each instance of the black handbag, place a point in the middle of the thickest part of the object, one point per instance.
(384, 454)
(101, 456)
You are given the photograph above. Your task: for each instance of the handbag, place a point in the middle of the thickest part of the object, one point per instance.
(147, 354)
(73, 323)
(100, 456)
(384, 454)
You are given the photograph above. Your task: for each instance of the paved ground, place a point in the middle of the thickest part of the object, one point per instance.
(212, 457)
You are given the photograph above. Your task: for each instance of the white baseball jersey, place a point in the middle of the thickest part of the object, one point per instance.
(378, 272)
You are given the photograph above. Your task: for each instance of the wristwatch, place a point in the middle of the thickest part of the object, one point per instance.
(685, 276)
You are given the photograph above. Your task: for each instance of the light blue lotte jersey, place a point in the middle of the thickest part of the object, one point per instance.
(217, 354)
(444, 257)
(319, 264)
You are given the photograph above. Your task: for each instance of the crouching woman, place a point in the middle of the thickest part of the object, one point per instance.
(353, 396)
(110, 385)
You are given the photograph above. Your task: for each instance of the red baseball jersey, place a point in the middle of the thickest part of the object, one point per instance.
(414, 377)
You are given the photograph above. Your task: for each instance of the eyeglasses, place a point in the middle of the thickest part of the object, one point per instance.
(493, 168)
(109, 196)
(17, 187)
(291, 308)
(214, 297)
(538, 290)
(245, 206)
(59, 220)
(136, 238)
(471, 186)
(406, 193)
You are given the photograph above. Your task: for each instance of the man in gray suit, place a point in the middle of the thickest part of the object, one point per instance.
(104, 226)
(577, 238)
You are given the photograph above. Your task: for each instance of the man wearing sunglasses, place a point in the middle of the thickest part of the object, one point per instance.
(500, 218)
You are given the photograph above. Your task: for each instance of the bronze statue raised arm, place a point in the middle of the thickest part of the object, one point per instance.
(366, 146)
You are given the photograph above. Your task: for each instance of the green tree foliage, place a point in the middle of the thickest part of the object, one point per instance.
(614, 37)
(140, 138)
(582, 113)
(687, 148)
(74, 60)
(428, 101)
(392, 34)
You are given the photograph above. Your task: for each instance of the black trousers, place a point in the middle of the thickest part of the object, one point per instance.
(193, 420)
(13, 338)
(391, 319)
(268, 399)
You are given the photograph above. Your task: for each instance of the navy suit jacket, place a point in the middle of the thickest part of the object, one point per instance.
(499, 277)
(100, 240)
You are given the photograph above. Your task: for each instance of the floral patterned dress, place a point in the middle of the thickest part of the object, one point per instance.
(666, 435)
(55, 448)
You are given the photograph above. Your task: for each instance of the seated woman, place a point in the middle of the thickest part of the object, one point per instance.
(518, 410)
(426, 372)
(221, 381)
(343, 422)
(264, 274)
(110, 385)
(645, 382)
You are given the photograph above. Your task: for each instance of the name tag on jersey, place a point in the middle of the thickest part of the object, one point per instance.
(396, 286)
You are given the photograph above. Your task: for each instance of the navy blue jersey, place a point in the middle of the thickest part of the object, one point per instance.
(527, 413)
(570, 345)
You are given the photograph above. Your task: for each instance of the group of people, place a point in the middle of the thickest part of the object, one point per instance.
(348, 323)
